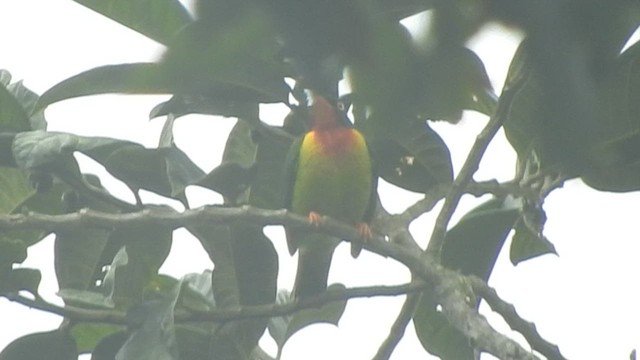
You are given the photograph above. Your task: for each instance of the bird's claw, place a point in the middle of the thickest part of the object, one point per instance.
(315, 218)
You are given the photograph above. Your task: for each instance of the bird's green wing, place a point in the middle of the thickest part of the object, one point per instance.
(290, 172)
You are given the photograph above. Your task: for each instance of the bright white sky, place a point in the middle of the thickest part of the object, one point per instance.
(585, 300)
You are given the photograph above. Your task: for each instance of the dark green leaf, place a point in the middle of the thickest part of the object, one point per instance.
(137, 78)
(473, 244)
(228, 179)
(180, 105)
(436, 335)
(240, 147)
(109, 346)
(527, 244)
(414, 157)
(159, 20)
(282, 328)
(616, 163)
(166, 171)
(28, 100)
(154, 336)
(20, 279)
(14, 189)
(230, 62)
(12, 251)
(53, 345)
(455, 79)
(399, 10)
(17, 107)
(245, 273)
(88, 336)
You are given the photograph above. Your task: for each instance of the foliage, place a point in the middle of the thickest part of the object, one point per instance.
(567, 108)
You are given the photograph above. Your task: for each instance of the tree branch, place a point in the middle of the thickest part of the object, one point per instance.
(448, 284)
(471, 165)
(517, 323)
(398, 328)
(118, 317)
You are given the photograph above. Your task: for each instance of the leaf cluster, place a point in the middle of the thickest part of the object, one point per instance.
(567, 108)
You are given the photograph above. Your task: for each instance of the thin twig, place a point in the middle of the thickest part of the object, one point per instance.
(398, 328)
(470, 166)
(226, 315)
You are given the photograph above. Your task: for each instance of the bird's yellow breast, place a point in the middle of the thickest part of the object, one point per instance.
(334, 175)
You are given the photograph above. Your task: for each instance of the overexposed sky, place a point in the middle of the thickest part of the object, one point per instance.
(585, 299)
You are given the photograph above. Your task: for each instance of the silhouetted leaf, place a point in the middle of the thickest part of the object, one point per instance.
(413, 157)
(283, 327)
(473, 244)
(54, 345)
(527, 244)
(135, 78)
(159, 20)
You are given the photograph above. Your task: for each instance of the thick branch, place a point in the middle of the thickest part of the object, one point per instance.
(461, 314)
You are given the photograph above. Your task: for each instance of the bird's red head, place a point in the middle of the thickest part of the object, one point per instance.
(323, 114)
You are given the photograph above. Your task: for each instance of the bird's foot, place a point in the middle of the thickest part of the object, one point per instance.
(365, 234)
(315, 218)
(364, 230)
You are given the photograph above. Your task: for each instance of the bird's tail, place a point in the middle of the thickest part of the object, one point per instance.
(314, 261)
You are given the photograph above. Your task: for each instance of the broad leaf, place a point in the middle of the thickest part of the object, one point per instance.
(136, 78)
(616, 163)
(20, 279)
(88, 336)
(53, 345)
(282, 328)
(527, 244)
(413, 157)
(159, 20)
(473, 244)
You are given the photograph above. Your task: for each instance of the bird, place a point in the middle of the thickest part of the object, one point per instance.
(329, 172)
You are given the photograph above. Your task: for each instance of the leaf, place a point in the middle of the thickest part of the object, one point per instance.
(154, 336)
(20, 279)
(234, 62)
(454, 79)
(228, 179)
(414, 157)
(471, 247)
(28, 100)
(166, 171)
(552, 110)
(12, 251)
(245, 274)
(436, 335)
(181, 105)
(527, 244)
(473, 244)
(88, 336)
(13, 116)
(283, 327)
(615, 163)
(54, 345)
(109, 346)
(135, 78)
(14, 189)
(399, 10)
(159, 20)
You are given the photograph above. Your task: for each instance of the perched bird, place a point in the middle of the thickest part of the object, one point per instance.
(329, 173)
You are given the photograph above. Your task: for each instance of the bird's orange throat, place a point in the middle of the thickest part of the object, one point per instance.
(335, 141)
